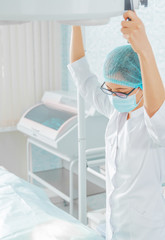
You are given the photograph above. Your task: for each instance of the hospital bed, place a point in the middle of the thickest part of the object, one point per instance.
(27, 214)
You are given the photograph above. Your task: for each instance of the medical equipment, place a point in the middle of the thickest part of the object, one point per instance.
(86, 12)
(52, 126)
(29, 215)
(122, 67)
(129, 5)
(54, 122)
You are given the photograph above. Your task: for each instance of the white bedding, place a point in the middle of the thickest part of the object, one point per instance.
(27, 214)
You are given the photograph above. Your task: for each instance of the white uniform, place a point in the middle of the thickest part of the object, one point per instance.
(135, 164)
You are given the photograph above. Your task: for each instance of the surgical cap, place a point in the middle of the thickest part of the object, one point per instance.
(122, 67)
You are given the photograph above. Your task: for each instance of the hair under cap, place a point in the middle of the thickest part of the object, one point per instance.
(122, 67)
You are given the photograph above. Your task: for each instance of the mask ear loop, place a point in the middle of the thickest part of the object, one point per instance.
(140, 98)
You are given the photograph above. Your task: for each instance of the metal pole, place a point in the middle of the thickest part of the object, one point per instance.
(82, 155)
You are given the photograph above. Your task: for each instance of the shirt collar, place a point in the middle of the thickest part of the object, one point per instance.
(137, 112)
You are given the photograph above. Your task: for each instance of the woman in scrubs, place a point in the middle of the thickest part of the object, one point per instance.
(135, 135)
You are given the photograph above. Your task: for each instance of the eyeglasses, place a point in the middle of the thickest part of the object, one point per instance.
(118, 94)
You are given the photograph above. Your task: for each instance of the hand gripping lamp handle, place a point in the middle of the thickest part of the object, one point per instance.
(129, 5)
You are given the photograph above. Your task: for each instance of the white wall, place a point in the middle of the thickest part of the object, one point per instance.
(13, 153)
(30, 63)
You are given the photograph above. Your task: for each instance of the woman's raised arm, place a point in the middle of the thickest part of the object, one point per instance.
(85, 80)
(76, 45)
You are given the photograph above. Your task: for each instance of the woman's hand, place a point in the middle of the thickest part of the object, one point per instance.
(134, 32)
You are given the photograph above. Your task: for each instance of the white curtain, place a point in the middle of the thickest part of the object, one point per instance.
(29, 65)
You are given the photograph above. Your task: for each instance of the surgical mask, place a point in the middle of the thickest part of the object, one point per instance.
(125, 104)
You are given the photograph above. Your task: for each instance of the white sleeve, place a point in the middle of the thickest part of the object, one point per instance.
(156, 125)
(89, 86)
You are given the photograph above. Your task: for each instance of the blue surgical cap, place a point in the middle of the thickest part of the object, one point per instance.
(122, 67)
